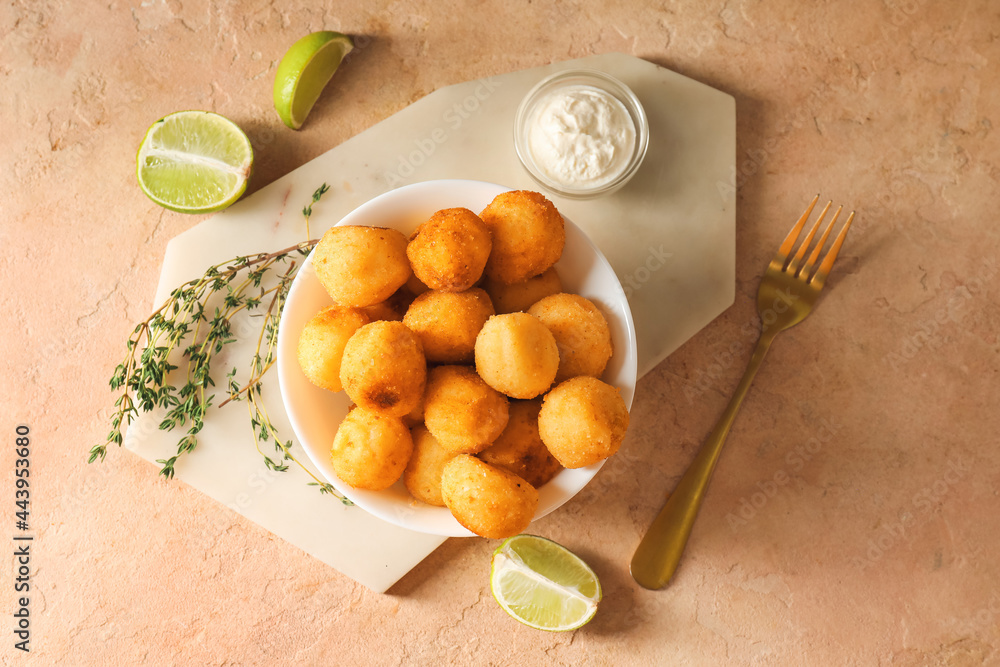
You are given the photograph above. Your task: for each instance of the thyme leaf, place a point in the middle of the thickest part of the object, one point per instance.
(192, 327)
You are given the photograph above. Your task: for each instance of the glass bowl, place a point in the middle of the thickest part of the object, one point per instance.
(531, 107)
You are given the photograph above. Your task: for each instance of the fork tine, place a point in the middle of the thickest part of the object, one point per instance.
(804, 246)
(789, 242)
(807, 267)
(831, 257)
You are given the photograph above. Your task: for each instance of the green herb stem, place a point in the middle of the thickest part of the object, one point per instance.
(183, 322)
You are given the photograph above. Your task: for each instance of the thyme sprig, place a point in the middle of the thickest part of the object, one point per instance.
(307, 211)
(196, 323)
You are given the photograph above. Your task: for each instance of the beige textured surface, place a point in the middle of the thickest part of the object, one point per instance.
(880, 409)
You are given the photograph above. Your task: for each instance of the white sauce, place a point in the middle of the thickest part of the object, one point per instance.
(581, 137)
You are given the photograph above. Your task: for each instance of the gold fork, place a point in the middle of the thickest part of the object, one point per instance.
(787, 293)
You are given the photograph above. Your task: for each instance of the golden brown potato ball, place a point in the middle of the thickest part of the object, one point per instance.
(517, 355)
(519, 448)
(423, 473)
(415, 416)
(449, 251)
(582, 421)
(370, 450)
(581, 332)
(384, 369)
(415, 287)
(361, 266)
(402, 299)
(461, 410)
(489, 501)
(521, 296)
(528, 235)
(382, 311)
(447, 323)
(322, 341)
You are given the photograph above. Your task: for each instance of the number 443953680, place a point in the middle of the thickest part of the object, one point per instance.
(22, 470)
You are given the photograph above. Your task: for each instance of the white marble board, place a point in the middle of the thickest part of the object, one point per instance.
(669, 234)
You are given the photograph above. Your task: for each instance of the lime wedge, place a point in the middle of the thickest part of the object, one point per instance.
(544, 585)
(304, 71)
(194, 162)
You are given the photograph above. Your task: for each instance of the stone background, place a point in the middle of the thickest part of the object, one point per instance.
(881, 409)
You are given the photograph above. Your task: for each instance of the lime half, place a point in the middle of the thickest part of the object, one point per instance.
(304, 72)
(543, 584)
(194, 162)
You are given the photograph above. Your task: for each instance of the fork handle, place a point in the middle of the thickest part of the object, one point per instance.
(658, 554)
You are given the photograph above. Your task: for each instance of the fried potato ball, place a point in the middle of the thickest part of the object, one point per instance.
(581, 332)
(415, 287)
(519, 448)
(423, 473)
(382, 311)
(528, 235)
(447, 323)
(361, 266)
(415, 416)
(370, 450)
(449, 251)
(517, 355)
(402, 299)
(461, 410)
(384, 369)
(521, 296)
(322, 341)
(489, 501)
(583, 421)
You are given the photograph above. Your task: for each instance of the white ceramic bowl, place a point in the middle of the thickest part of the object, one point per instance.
(315, 413)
